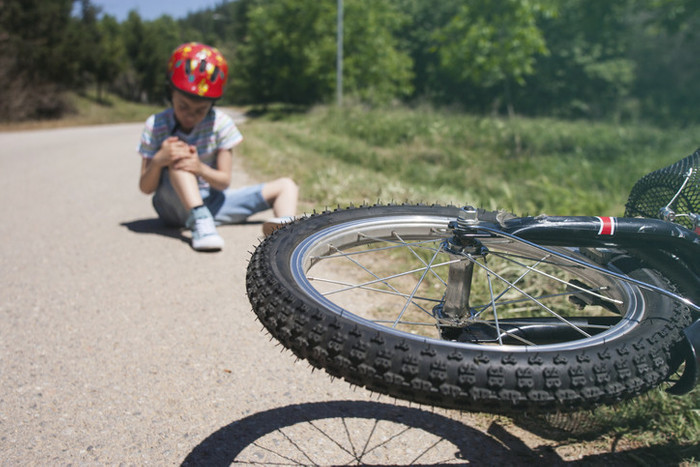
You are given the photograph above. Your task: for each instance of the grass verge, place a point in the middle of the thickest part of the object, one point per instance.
(528, 166)
(89, 110)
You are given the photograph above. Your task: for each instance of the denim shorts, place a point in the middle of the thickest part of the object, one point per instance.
(231, 206)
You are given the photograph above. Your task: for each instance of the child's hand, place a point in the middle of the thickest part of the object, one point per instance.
(170, 151)
(187, 160)
(178, 155)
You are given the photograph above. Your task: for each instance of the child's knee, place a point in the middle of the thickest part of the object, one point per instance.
(281, 188)
(288, 185)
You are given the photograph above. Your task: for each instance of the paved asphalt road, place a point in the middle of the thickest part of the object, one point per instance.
(119, 344)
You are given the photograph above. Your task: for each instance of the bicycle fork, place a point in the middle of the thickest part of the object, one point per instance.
(461, 249)
(455, 310)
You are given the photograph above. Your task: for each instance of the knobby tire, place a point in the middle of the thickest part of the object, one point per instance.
(631, 356)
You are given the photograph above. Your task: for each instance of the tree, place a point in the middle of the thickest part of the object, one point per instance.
(417, 38)
(488, 44)
(676, 16)
(35, 37)
(664, 48)
(283, 55)
(588, 71)
(83, 43)
(290, 48)
(111, 60)
(375, 68)
(148, 46)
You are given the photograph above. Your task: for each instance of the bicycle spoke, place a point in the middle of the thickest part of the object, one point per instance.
(415, 289)
(349, 286)
(494, 300)
(413, 298)
(408, 246)
(532, 268)
(507, 333)
(535, 300)
(386, 278)
(394, 246)
(493, 304)
(526, 300)
(391, 287)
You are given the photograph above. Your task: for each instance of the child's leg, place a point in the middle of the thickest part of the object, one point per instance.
(188, 209)
(167, 203)
(234, 206)
(186, 187)
(282, 195)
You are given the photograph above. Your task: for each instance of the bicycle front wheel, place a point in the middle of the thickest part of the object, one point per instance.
(361, 293)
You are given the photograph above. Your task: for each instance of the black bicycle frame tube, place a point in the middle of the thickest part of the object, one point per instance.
(572, 230)
(633, 234)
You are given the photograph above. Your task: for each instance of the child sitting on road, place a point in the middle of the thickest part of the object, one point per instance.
(187, 155)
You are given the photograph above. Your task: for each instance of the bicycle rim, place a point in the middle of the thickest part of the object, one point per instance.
(390, 273)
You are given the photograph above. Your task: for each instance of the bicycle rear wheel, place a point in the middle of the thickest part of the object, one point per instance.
(361, 293)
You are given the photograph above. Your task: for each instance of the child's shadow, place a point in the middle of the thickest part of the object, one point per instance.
(157, 227)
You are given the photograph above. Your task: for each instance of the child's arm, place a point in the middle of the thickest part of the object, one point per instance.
(171, 150)
(150, 175)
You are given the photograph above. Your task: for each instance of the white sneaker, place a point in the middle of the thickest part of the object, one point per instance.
(204, 234)
(275, 223)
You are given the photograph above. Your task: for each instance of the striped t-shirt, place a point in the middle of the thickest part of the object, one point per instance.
(217, 131)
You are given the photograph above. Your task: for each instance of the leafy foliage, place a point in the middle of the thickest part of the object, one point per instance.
(485, 44)
(588, 53)
(629, 60)
(289, 54)
(33, 60)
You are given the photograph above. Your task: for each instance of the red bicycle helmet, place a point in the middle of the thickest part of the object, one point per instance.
(198, 70)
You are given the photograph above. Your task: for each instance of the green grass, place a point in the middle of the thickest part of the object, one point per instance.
(524, 165)
(653, 429)
(664, 429)
(89, 110)
(110, 109)
(667, 418)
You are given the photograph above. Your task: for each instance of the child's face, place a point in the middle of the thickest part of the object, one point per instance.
(188, 111)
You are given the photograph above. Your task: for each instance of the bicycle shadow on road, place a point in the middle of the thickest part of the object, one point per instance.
(361, 432)
(156, 227)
